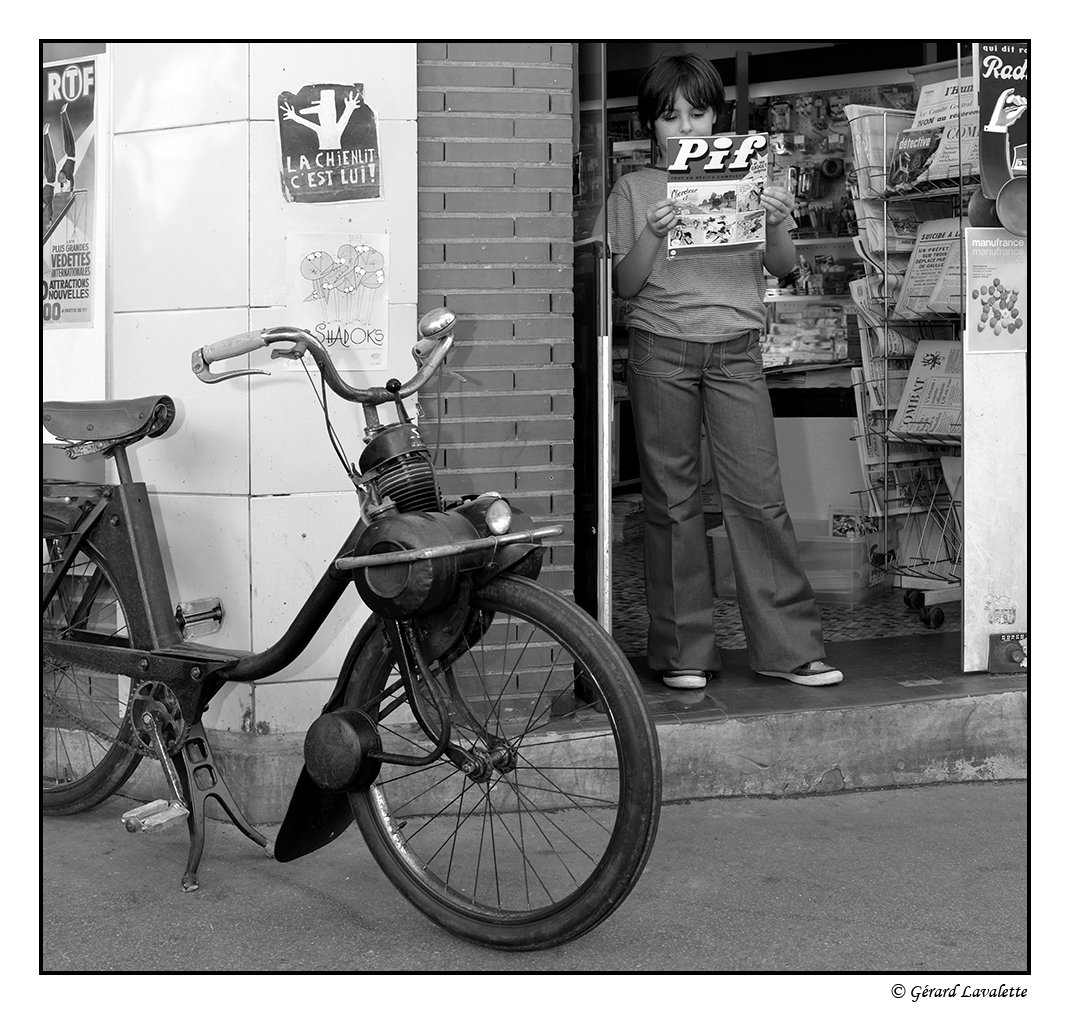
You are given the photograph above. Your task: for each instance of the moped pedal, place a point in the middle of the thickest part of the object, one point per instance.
(155, 816)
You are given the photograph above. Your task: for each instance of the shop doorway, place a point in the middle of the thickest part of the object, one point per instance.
(592, 335)
(609, 561)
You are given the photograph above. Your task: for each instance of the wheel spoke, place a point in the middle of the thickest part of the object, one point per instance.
(532, 817)
(82, 710)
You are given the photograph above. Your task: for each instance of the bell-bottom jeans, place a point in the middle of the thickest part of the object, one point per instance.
(675, 386)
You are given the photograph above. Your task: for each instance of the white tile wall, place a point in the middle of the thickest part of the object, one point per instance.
(294, 539)
(386, 69)
(199, 228)
(176, 84)
(291, 706)
(207, 448)
(231, 709)
(180, 218)
(206, 551)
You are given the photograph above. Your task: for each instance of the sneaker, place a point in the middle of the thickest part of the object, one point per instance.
(815, 674)
(685, 679)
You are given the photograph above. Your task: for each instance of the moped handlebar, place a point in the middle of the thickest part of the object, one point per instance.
(436, 330)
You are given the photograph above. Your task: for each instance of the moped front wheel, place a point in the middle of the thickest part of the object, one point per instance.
(546, 829)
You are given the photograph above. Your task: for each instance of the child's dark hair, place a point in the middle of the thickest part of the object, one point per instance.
(688, 73)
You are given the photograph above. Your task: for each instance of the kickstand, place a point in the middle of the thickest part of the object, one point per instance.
(201, 779)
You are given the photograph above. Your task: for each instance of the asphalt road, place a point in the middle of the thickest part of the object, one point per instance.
(922, 881)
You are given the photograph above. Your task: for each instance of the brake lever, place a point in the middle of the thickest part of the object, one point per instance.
(204, 373)
(423, 349)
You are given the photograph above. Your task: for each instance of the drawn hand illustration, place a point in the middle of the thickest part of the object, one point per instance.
(329, 127)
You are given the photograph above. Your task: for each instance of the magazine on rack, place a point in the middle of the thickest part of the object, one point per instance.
(912, 156)
(886, 353)
(874, 134)
(893, 227)
(716, 183)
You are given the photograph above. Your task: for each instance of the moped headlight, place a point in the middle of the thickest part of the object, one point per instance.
(498, 517)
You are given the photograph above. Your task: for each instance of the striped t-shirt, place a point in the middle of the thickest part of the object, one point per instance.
(712, 296)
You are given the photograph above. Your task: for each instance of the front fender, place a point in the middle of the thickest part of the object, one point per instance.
(524, 559)
(315, 816)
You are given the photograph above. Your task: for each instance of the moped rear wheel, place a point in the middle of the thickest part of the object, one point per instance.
(548, 827)
(84, 722)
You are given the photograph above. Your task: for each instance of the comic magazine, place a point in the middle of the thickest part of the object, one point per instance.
(716, 183)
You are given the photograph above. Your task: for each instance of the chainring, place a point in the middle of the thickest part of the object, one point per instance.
(156, 698)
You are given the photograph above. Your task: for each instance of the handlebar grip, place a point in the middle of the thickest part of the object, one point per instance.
(236, 345)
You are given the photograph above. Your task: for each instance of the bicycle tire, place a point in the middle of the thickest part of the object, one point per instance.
(560, 839)
(80, 768)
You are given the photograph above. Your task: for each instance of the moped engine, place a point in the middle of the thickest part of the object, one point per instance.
(400, 466)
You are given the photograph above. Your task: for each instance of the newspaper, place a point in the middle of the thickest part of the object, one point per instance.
(941, 101)
(871, 427)
(884, 275)
(885, 374)
(716, 183)
(948, 291)
(933, 241)
(942, 140)
(889, 468)
(932, 404)
(957, 154)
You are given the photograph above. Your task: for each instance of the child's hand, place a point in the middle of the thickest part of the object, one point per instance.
(778, 204)
(662, 217)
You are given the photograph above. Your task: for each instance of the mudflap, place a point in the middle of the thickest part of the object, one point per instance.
(316, 816)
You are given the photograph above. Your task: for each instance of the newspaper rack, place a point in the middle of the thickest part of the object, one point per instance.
(913, 480)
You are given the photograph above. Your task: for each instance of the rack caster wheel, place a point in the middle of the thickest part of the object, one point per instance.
(914, 599)
(932, 616)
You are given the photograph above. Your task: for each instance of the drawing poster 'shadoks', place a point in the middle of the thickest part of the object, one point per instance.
(716, 183)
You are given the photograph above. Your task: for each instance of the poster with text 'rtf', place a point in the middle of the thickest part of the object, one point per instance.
(68, 189)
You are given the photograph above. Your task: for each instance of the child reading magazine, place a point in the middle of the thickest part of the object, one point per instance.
(694, 326)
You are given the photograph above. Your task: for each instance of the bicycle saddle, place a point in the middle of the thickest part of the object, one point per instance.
(110, 422)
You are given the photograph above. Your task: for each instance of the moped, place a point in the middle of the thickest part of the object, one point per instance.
(488, 738)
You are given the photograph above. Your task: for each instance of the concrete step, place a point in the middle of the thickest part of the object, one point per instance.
(787, 753)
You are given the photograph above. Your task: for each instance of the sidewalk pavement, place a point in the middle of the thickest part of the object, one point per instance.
(910, 883)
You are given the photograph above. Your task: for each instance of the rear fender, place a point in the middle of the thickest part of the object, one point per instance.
(315, 816)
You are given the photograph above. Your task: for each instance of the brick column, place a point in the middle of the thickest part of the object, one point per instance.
(495, 234)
